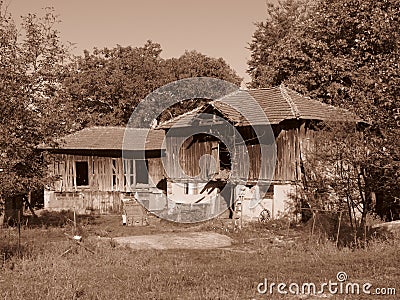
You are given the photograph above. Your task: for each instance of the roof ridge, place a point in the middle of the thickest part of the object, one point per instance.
(262, 88)
(181, 116)
(317, 100)
(293, 107)
(228, 95)
(100, 127)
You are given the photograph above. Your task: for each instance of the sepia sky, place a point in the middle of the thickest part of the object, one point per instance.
(218, 28)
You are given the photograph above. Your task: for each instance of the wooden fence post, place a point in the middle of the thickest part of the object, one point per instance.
(313, 225)
(338, 230)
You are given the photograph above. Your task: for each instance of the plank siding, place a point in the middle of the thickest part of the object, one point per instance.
(185, 161)
(293, 140)
(104, 173)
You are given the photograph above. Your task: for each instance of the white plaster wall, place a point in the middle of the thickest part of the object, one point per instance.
(47, 196)
(251, 213)
(283, 201)
(279, 206)
(176, 193)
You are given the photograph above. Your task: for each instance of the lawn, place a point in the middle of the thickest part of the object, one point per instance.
(46, 270)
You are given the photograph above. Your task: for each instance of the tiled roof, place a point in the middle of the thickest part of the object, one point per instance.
(277, 104)
(112, 138)
(182, 119)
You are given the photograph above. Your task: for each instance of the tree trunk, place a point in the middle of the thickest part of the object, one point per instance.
(27, 201)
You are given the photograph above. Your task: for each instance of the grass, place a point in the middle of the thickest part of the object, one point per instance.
(280, 254)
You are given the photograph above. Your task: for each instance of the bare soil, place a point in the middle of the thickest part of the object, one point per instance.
(179, 240)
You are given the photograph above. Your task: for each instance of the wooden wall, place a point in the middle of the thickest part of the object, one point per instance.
(292, 138)
(105, 173)
(188, 157)
(287, 154)
(108, 182)
(84, 201)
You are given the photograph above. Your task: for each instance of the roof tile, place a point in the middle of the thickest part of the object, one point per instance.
(277, 104)
(112, 138)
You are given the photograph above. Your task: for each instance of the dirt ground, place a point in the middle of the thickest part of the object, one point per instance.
(180, 240)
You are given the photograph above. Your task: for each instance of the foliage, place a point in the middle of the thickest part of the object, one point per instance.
(345, 53)
(336, 173)
(31, 111)
(341, 51)
(104, 86)
(195, 64)
(282, 19)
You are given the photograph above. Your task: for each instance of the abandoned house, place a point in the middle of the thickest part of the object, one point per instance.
(91, 174)
(292, 118)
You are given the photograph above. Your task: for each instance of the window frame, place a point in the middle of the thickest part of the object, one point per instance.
(78, 181)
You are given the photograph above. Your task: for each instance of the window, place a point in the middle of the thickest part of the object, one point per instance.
(129, 175)
(136, 171)
(114, 172)
(224, 157)
(142, 175)
(82, 173)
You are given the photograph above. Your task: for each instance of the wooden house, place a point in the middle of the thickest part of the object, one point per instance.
(91, 174)
(291, 117)
(193, 178)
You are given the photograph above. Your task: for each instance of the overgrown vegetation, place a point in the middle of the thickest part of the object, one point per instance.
(259, 251)
(345, 53)
(337, 175)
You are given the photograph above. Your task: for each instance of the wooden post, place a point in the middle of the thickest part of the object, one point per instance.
(288, 228)
(338, 230)
(365, 233)
(74, 221)
(19, 233)
(273, 208)
(241, 213)
(313, 225)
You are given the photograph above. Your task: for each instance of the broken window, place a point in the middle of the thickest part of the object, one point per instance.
(82, 173)
(114, 173)
(224, 157)
(142, 175)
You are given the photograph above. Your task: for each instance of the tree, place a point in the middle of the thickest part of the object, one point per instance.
(195, 64)
(31, 112)
(336, 172)
(345, 53)
(104, 86)
(282, 19)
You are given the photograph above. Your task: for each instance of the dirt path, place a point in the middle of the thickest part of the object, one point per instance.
(181, 240)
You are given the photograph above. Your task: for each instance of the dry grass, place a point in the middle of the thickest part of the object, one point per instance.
(273, 252)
